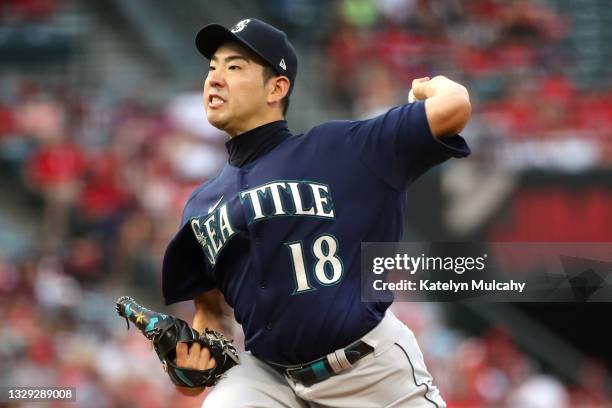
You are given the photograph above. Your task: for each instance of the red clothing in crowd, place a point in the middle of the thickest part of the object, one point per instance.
(57, 164)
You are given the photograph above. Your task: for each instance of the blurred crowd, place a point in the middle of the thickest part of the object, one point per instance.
(56, 333)
(110, 181)
(104, 189)
(102, 183)
(514, 57)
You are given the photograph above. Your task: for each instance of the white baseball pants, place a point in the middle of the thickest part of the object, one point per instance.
(394, 375)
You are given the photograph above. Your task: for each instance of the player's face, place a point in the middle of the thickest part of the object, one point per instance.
(235, 97)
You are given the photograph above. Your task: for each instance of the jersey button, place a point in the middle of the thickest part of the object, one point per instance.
(257, 240)
(263, 285)
(245, 185)
(269, 326)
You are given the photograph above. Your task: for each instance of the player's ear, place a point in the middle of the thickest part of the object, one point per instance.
(278, 88)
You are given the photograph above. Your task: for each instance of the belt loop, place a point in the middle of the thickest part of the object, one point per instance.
(341, 356)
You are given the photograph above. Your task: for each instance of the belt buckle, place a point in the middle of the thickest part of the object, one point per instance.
(289, 371)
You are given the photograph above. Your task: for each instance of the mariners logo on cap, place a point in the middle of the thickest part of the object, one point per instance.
(240, 25)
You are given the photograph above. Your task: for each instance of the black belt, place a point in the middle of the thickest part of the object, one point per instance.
(320, 369)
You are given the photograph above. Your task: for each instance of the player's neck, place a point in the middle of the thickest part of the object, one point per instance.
(255, 122)
(256, 142)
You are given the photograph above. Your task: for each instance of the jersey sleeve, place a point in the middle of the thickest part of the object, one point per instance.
(185, 270)
(398, 146)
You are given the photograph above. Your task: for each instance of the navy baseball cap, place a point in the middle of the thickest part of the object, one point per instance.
(269, 43)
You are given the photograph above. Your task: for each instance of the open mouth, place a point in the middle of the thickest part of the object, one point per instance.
(214, 101)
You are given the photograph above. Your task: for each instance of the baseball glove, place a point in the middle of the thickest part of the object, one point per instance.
(165, 331)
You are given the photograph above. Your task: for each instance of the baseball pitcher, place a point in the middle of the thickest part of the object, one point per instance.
(276, 235)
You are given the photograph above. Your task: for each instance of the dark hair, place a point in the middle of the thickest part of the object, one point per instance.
(269, 73)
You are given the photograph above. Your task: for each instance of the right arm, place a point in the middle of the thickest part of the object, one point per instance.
(211, 312)
(447, 104)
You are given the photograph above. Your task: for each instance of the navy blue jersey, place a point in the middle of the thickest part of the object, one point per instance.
(280, 236)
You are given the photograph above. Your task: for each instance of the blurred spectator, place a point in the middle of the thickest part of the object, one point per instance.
(397, 11)
(27, 10)
(7, 121)
(376, 91)
(359, 13)
(55, 172)
(346, 48)
(186, 112)
(540, 391)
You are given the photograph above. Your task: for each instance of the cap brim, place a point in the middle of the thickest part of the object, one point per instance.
(212, 36)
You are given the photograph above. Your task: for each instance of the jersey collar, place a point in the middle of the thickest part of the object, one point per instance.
(250, 145)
